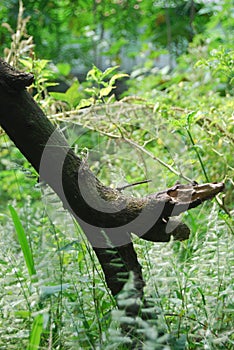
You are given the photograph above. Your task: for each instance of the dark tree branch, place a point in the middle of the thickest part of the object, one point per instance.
(107, 216)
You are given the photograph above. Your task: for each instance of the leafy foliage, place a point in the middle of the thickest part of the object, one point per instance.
(97, 32)
(98, 88)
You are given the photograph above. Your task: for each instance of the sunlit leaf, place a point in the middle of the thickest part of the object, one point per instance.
(28, 257)
(106, 91)
(35, 335)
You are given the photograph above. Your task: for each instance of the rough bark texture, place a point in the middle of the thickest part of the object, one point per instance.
(107, 216)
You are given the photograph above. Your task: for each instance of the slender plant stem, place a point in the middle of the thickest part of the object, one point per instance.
(198, 155)
(222, 206)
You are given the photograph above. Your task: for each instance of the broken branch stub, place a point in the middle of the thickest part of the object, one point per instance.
(12, 79)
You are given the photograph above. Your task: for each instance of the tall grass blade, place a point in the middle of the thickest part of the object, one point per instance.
(35, 336)
(28, 257)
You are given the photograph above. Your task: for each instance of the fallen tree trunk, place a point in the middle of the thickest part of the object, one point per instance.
(107, 216)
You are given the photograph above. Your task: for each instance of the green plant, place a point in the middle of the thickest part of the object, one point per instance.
(221, 64)
(35, 336)
(100, 85)
(103, 88)
(23, 242)
(43, 77)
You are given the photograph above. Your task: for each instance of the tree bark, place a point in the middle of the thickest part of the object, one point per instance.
(107, 216)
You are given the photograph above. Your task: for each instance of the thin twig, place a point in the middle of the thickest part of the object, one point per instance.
(169, 167)
(133, 184)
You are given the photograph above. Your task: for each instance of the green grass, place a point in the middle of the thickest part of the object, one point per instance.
(22, 238)
(190, 285)
(35, 336)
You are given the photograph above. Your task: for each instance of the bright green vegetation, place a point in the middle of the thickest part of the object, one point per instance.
(171, 124)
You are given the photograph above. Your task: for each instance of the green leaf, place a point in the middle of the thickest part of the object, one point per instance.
(95, 74)
(59, 96)
(28, 63)
(190, 118)
(22, 313)
(71, 96)
(117, 76)
(28, 257)
(64, 68)
(40, 64)
(108, 71)
(35, 336)
(116, 46)
(85, 103)
(105, 91)
(92, 91)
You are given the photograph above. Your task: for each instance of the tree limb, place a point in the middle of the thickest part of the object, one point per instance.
(107, 216)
